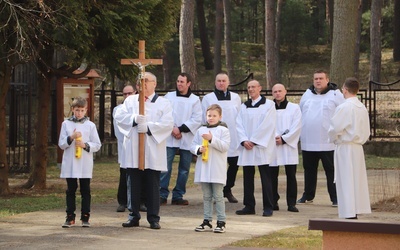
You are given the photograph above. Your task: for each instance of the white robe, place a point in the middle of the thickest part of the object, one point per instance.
(72, 167)
(317, 111)
(213, 170)
(160, 123)
(186, 110)
(288, 119)
(258, 126)
(120, 140)
(349, 130)
(230, 109)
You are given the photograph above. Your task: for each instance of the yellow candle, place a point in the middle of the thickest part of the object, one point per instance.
(78, 150)
(204, 156)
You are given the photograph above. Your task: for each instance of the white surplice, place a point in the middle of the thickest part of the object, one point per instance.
(160, 123)
(288, 126)
(72, 167)
(230, 109)
(317, 110)
(349, 130)
(120, 140)
(186, 110)
(257, 124)
(213, 170)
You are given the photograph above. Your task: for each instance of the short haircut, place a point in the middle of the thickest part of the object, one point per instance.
(352, 85)
(151, 74)
(222, 73)
(79, 102)
(215, 107)
(188, 77)
(321, 71)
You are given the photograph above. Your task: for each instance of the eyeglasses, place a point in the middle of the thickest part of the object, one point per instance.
(127, 93)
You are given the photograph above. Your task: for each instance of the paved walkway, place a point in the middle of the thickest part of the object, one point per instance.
(42, 230)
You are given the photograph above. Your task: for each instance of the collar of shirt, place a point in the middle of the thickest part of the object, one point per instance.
(254, 102)
(150, 97)
(74, 119)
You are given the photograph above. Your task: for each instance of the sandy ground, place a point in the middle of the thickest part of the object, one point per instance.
(42, 230)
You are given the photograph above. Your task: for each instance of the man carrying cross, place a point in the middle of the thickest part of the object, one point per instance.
(156, 124)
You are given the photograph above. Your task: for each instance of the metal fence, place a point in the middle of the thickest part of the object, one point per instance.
(19, 127)
(384, 109)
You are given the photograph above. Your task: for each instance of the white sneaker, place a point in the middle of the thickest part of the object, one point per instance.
(220, 228)
(205, 226)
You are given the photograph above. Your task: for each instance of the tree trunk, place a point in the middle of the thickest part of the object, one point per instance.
(396, 32)
(219, 22)
(37, 178)
(344, 34)
(186, 40)
(375, 40)
(205, 44)
(278, 38)
(228, 42)
(358, 41)
(270, 38)
(5, 74)
(329, 18)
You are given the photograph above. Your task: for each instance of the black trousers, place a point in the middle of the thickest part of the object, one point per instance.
(291, 184)
(231, 174)
(122, 195)
(84, 187)
(139, 181)
(248, 184)
(310, 163)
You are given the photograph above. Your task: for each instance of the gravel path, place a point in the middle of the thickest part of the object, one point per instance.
(42, 230)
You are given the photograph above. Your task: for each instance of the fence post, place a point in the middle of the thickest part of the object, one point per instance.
(101, 111)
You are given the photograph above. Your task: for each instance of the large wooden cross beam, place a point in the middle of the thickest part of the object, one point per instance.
(141, 63)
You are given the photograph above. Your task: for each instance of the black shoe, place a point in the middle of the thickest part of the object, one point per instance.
(155, 225)
(121, 208)
(352, 218)
(131, 223)
(69, 221)
(220, 228)
(245, 211)
(276, 207)
(85, 220)
(230, 197)
(267, 213)
(292, 209)
(142, 208)
(205, 226)
(303, 200)
(163, 201)
(181, 202)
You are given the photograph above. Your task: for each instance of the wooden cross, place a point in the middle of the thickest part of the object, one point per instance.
(141, 63)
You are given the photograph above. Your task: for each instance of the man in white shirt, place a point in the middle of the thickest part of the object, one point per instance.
(318, 105)
(349, 130)
(156, 124)
(187, 115)
(256, 123)
(288, 128)
(230, 103)
(122, 188)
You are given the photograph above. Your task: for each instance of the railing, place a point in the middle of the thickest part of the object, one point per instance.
(384, 109)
